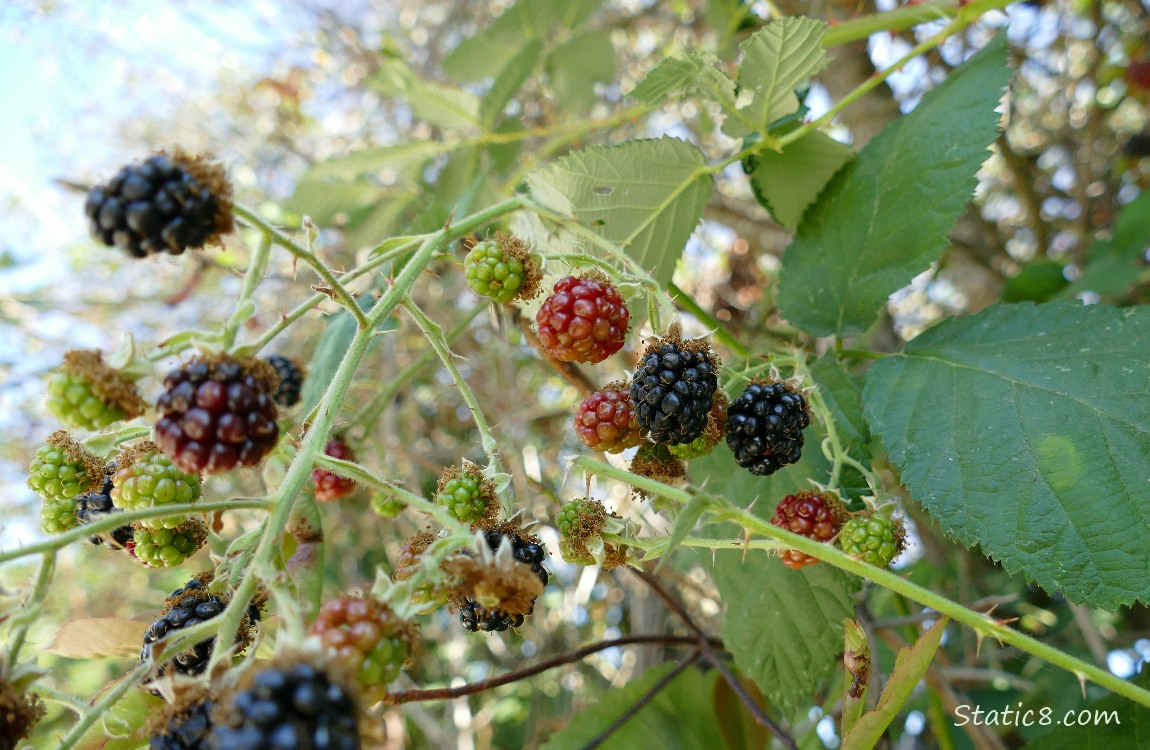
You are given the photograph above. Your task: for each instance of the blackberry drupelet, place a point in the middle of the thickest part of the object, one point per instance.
(168, 204)
(290, 706)
(674, 390)
(765, 427)
(217, 413)
(291, 380)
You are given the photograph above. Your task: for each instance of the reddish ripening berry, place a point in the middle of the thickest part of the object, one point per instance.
(1137, 76)
(217, 414)
(585, 320)
(367, 638)
(605, 421)
(329, 485)
(815, 515)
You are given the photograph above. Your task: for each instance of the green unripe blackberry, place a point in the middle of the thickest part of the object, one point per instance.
(582, 523)
(466, 493)
(876, 538)
(502, 269)
(57, 516)
(62, 469)
(88, 394)
(573, 511)
(386, 506)
(574, 553)
(167, 548)
(369, 640)
(146, 478)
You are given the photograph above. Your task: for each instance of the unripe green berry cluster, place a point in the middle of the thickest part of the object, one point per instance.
(876, 538)
(151, 480)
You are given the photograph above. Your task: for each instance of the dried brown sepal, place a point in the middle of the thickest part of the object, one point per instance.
(19, 713)
(502, 585)
(654, 461)
(411, 554)
(212, 176)
(515, 247)
(109, 385)
(78, 455)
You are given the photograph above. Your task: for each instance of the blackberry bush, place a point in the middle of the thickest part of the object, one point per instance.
(167, 204)
(217, 414)
(765, 427)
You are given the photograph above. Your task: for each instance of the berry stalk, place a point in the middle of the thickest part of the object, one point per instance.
(257, 266)
(983, 624)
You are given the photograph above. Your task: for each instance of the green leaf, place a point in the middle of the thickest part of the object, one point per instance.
(646, 196)
(488, 52)
(508, 83)
(577, 65)
(776, 60)
(439, 105)
(1115, 264)
(783, 627)
(1113, 723)
(909, 667)
(681, 716)
(326, 202)
(696, 75)
(885, 216)
(1036, 282)
(842, 393)
(685, 521)
(787, 183)
(1024, 430)
(1132, 228)
(332, 347)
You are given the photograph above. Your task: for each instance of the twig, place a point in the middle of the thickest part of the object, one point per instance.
(442, 694)
(646, 698)
(717, 662)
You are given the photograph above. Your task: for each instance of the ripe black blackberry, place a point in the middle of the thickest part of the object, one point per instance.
(674, 388)
(288, 706)
(96, 505)
(190, 605)
(291, 380)
(168, 204)
(217, 413)
(186, 729)
(526, 551)
(765, 427)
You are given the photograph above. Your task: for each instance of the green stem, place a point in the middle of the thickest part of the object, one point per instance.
(30, 610)
(366, 478)
(983, 624)
(115, 521)
(434, 334)
(299, 472)
(341, 295)
(59, 697)
(257, 267)
(98, 711)
(720, 333)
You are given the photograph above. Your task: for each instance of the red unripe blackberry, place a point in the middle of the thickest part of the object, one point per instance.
(291, 380)
(815, 515)
(168, 204)
(217, 413)
(674, 390)
(585, 320)
(765, 427)
(369, 640)
(329, 485)
(605, 421)
(288, 706)
(1137, 75)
